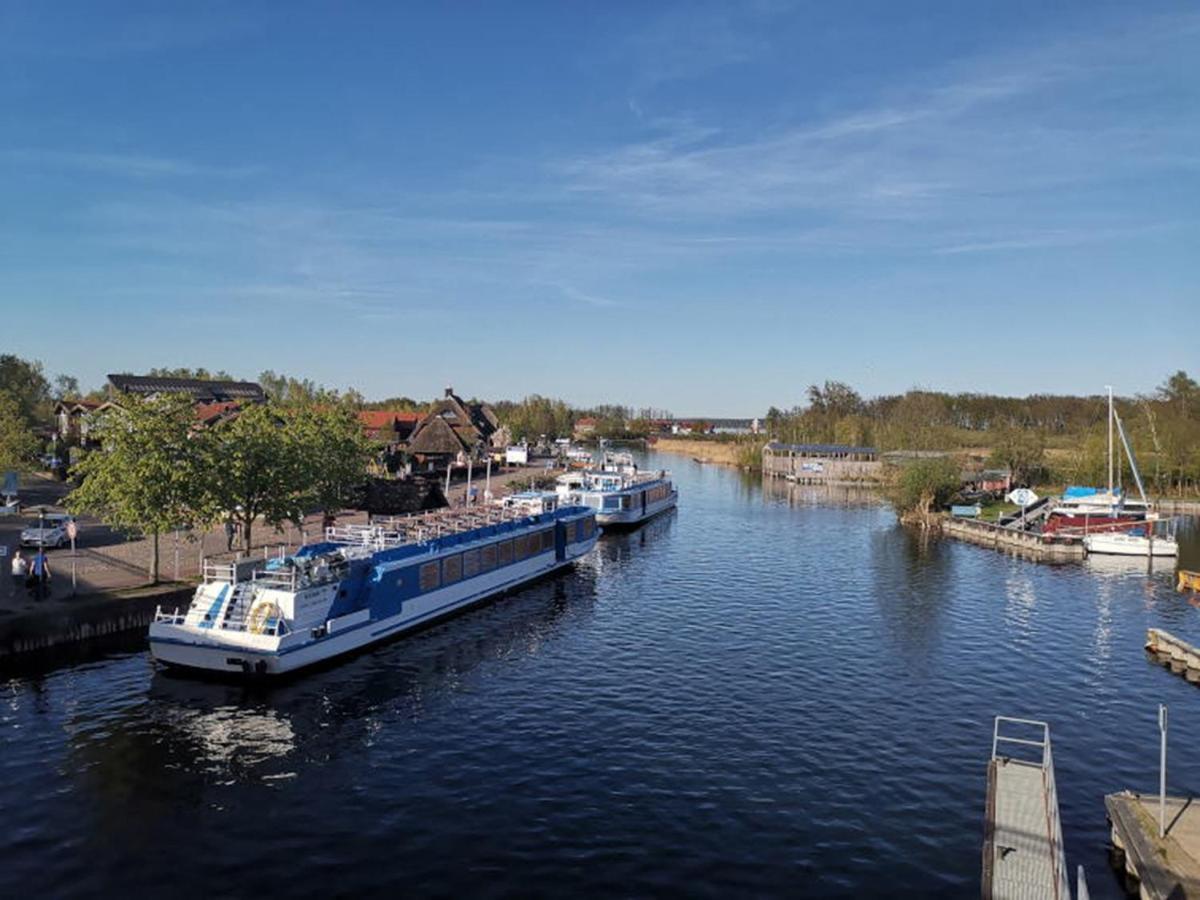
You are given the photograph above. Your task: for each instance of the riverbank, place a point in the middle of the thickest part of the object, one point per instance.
(741, 454)
(69, 620)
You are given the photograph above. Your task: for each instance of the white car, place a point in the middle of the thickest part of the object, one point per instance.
(51, 532)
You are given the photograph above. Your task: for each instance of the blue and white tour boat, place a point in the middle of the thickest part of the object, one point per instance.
(620, 495)
(367, 583)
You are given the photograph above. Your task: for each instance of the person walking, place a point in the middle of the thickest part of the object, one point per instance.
(39, 574)
(20, 567)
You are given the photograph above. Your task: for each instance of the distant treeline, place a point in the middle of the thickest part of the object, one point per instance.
(1043, 436)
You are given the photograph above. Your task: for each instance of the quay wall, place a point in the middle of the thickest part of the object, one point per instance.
(998, 537)
(82, 619)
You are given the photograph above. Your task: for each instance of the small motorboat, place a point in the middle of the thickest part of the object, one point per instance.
(1114, 544)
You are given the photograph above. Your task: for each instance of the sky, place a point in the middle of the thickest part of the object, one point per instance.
(697, 207)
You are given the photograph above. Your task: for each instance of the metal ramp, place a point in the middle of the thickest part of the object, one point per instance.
(1023, 855)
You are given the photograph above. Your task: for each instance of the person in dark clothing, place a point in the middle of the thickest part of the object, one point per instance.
(39, 574)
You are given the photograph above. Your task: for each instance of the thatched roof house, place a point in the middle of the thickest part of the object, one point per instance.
(453, 429)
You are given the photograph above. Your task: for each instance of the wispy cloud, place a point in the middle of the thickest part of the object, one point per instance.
(123, 165)
(989, 140)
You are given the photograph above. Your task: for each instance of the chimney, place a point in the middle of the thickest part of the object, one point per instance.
(449, 391)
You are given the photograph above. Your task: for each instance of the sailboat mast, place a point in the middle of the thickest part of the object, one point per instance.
(1110, 442)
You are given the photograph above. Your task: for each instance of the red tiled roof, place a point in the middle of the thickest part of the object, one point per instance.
(586, 420)
(206, 411)
(382, 418)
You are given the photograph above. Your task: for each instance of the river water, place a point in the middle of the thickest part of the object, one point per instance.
(769, 691)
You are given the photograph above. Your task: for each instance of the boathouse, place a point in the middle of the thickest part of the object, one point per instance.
(821, 463)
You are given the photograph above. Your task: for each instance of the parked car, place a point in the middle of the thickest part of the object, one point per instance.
(51, 531)
(50, 462)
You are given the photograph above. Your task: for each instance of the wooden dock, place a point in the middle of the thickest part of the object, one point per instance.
(1023, 856)
(1040, 547)
(1167, 867)
(1178, 655)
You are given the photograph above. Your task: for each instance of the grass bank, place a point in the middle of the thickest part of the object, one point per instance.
(743, 453)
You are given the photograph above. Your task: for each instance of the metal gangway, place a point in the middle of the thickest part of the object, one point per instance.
(1023, 856)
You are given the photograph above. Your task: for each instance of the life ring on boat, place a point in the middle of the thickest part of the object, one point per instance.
(260, 614)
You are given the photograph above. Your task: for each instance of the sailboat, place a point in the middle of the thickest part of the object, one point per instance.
(1085, 510)
(1112, 523)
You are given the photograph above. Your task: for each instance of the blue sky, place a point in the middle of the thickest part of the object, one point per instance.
(703, 208)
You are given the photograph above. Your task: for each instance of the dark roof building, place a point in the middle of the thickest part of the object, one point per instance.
(454, 426)
(199, 390)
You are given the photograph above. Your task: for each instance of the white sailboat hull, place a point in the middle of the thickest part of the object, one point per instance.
(1130, 545)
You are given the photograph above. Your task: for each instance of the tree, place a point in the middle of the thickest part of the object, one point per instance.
(255, 468)
(1021, 451)
(923, 486)
(26, 383)
(18, 445)
(149, 475)
(333, 453)
(65, 387)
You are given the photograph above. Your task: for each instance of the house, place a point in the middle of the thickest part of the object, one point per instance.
(200, 390)
(585, 427)
(821, 463)
(988, 481)
(388, 427)
(71, 420)
(454, 430)
(209, 414)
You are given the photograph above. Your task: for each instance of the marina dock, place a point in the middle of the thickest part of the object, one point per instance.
(1167, 867)
(1023, 847)
(1040, 547)
(1178, 655)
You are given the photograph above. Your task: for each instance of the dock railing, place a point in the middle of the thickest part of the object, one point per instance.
(1041, 754)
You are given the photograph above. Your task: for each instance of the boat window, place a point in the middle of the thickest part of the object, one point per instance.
(506, 552)
(452, 568)
(431, 576)
(487, 557)
(521, 546)
(589, 527)
(547, 540)
(626, 501)
(612, 502)
(470, 563)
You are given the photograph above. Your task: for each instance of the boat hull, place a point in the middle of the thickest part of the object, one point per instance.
(1126, 545)
(632, 518)
(261, 656)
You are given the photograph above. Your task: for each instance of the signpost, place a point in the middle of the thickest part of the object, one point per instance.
(72, 530)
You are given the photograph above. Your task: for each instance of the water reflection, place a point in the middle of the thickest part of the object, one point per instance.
(782, 490)
(221, 733)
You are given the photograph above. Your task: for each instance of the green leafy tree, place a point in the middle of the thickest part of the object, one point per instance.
(1021, 451)
(149, 475)
(18, 445)
(923, 486)
(256, 469)
(333, 453)
(26, 383)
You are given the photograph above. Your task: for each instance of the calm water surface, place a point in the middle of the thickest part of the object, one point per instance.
(763, 693)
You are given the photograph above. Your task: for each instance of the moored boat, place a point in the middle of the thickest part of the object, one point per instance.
(1115, 544)
(621, 499)
(365, 584)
